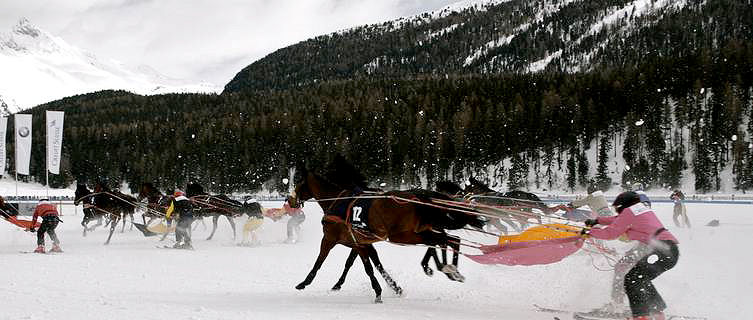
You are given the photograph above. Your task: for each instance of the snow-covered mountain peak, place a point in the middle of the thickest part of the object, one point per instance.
(39, 67)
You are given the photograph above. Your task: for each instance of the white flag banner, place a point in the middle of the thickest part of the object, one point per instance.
(23, 142)
(54, 140)
(3, 130)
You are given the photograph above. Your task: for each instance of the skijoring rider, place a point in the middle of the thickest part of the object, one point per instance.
(184, 209)
(50, 219)
(657, 252)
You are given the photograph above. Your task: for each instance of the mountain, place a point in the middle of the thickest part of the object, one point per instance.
(506, 36)
(37, 67)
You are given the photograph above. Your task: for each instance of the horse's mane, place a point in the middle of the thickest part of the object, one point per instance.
(194, 189)
(344, 174)
(449, 187)
(480, 185)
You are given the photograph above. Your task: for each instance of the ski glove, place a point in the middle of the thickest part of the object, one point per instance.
(584, 232)
(591, 222)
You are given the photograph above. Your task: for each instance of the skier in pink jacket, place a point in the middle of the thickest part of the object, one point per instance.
(657, 252)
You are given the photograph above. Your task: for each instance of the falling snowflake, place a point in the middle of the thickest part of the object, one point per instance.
(639, 122)
(627, 168)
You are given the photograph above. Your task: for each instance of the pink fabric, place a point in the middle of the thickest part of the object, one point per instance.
(290, 210)
(529, 253)
(638, 222)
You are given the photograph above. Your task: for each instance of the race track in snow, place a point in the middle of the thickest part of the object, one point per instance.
(132, 279)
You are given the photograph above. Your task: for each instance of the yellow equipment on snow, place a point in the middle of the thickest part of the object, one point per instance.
(542, 232)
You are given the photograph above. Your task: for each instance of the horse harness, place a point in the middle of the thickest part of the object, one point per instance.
(353, 214)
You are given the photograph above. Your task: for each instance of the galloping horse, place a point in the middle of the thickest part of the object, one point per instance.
(389, 219)
(481, 193)
(218, 205)
(155, 202)
(116, 205)
(90, 213)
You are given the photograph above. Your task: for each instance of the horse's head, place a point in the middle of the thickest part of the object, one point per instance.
(194, 189)
(301, 193)
(476, 187)
(81, 191)
(146, 190)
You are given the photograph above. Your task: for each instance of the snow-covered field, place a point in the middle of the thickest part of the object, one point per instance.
(132, 279)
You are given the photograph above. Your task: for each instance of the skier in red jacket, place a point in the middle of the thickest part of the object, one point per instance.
(49, 215)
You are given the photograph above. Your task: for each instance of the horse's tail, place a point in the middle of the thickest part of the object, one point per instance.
(443, 218)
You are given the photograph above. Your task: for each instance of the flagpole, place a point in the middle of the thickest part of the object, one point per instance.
(47, 154)
(15, 148)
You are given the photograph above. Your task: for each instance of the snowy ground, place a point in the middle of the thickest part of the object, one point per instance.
(132, 279)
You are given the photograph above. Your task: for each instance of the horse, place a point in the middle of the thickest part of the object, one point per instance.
(219, 205)
(126, 203)
(116, 205)
(389, 219)
(156, 202)
(90, 213)
(482, 194)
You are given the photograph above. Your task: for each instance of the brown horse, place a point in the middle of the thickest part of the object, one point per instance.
(112, 204)
(389, 219)
(156, 202)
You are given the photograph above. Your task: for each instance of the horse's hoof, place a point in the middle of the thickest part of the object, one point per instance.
(337, 287)
(399, 292)
(378, 299)
(428, 271)
(210, 238)
(300, 286)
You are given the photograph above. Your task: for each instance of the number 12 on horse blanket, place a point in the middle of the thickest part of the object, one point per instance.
(355, 213)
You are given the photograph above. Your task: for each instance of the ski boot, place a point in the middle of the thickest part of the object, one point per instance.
(39, 249)
(56, 248)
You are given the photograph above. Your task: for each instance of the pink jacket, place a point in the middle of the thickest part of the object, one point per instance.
(638, 222)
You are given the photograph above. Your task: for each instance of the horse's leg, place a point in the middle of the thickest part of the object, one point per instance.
(348, 263)
(214, 225)
(363, 253)
(113, 224)
(378, 264)
(232, 223)
(324, 249)
(131, 214)
(122, 229)
(685, 216)
(676, 216)
(451, 270)
(430, 253)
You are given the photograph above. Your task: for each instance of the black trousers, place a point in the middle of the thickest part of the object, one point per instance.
(643, 297)
(48, 226)
(182, 230)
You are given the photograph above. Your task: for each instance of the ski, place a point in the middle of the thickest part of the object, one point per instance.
(170, 247)
(577, 315)
(551, 310)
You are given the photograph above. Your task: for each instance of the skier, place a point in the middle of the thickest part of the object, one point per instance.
(656, 252)
(680, 214)
(182, 206)
(50, 219)
(595, 201)
(255, 220)
(294, 224)
(638, 188)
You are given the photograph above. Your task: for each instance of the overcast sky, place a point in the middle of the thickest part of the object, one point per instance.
(200, 40)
